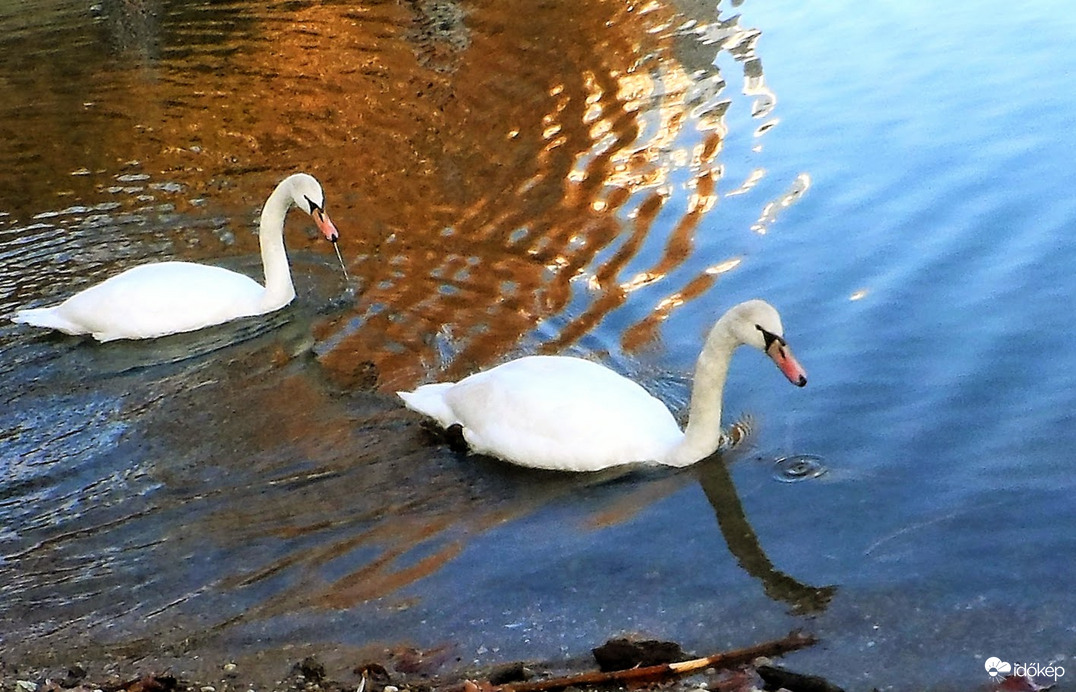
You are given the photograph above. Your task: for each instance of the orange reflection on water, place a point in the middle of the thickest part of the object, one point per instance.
(490, 164)
(581, 139)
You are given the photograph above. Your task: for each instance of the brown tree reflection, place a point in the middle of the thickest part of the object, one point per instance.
(595, 117)
(489, 162)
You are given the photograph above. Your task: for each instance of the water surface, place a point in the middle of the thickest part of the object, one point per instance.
(600, 179)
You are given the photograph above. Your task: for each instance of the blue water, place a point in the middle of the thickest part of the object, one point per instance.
(923, 276)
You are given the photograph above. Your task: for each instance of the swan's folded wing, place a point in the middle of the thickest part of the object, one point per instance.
(162, 298)
(561, 413)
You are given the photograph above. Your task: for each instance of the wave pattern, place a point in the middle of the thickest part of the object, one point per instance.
(587, 186)
(505, 176)
(500, 174)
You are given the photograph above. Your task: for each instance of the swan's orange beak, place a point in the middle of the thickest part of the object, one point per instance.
(325, 224)
(781, 354)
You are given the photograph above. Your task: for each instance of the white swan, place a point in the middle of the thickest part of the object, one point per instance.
(161, 298)
(569, 414)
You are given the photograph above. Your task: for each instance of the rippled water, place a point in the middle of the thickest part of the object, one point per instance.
(798, 467)
(596, 178)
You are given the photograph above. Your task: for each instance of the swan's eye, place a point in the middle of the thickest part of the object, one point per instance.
(314, 206)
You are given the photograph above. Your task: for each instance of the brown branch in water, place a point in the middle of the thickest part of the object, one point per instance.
(727, 659)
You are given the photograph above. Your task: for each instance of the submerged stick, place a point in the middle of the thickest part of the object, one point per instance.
(727, 659)
(341, 258)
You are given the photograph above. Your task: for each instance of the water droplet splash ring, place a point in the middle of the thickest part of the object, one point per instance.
(798, 467)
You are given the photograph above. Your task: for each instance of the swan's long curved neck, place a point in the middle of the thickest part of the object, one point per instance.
(279, 290)
(703, 432)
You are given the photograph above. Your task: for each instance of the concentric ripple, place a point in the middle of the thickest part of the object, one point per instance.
(799, 467)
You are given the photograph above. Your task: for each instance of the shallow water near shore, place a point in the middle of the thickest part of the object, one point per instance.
(601, 179)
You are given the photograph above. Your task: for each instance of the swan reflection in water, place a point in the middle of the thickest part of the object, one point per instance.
(713, 475)
(439, 529)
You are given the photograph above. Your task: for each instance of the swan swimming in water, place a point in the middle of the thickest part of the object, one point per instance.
(569, 414)
(162, 298)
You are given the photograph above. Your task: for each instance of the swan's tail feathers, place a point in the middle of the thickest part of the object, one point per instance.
(48, 318)
(429, 400)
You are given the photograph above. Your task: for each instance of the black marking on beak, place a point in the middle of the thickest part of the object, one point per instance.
(314, 207)
(769, 337)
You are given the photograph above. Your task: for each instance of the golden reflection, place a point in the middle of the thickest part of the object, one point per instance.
(491, 164)
(480, 158)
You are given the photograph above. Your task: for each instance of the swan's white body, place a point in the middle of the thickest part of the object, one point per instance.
(162, 298)
(569, 414)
